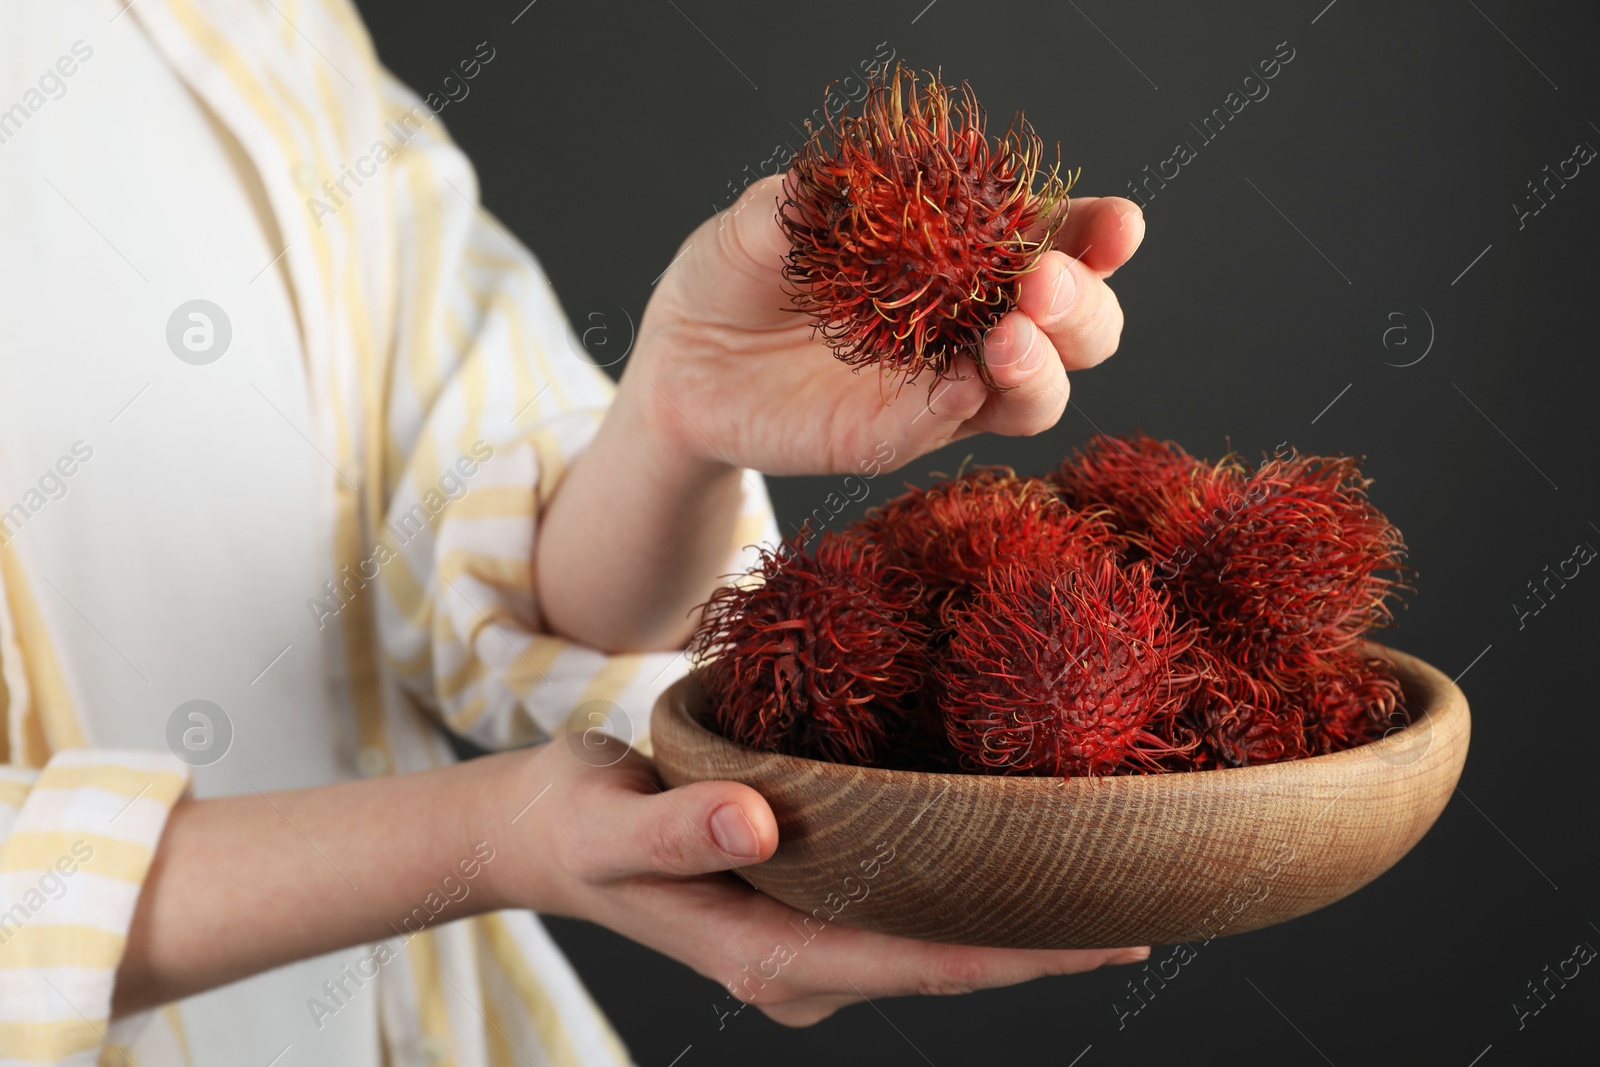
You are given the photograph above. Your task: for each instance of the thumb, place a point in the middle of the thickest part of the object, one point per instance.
(696, 829)
(732, 265)
(748, 234)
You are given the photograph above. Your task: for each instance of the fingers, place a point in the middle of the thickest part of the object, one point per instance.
(1031, 375)
(797, 967)
(1066, 318)
(1074, 307)
(800, 968)
(928, 413)
(951, 970)
(956, 969)
(845, 959)
(1028, 368)
(1102, 231)
(623, 825)
(843, 965)
(930, 970)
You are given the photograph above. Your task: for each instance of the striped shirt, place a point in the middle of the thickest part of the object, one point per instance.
(313, 506)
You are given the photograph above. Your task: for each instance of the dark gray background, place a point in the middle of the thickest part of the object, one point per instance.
(1386, 158)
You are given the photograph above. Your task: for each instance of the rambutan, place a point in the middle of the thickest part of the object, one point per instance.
(1315, 704)
(1239, 720)
(908, 229)
(954, 533)
(1351, 699)
(1129, 476)
(820, 655)
(1140, 611)
(1064, 668)
(1288, 560)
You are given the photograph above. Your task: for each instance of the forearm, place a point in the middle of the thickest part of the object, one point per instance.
(636, 535)
(240, 885)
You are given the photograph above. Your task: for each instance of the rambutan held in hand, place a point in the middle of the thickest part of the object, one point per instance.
(1064, 669)
(820, 655)
(1287, 560)
(1128, 475)
(908, 228)
(954, 533)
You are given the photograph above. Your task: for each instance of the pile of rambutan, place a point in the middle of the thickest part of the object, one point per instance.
(1138, 610)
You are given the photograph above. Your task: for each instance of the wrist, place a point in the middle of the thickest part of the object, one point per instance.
(506, 789)
(648, 420)
(532, 806)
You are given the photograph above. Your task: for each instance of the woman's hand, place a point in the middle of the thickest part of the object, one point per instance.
(723, 377)
(242, 884)
(609, 845)
(728, 374)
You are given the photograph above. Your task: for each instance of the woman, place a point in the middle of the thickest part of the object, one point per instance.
(303, 463)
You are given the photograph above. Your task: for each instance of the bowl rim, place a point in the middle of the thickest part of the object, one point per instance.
(1440, 699)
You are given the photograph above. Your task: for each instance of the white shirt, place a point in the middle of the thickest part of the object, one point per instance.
(379, 338)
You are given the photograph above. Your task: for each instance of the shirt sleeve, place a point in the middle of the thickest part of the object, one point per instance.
(76, 841)
(493, 396)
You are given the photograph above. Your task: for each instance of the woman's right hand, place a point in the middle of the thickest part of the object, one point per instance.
(611, 845)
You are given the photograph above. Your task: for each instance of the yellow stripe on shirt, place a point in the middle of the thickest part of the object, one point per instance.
(434, 1019)
(542, 1014)
(43, 850)
(164, 787)
(50, 1042)
(37, 944)
(52, 699)
(13, 792)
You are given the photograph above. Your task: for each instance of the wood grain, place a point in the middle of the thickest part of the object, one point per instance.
(1085, 863)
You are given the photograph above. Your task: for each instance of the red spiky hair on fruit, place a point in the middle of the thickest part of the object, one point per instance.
(1290, 559)
(1317, 703)
(1352, 699)
(954, 533)
(1239, 720)
(1063, 669)
(1128, 475)
(818, 655)
(908, 228)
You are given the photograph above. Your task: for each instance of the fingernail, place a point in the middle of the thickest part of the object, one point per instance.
(1064, 293)
(1131, 216)
(1131, 955)
(732, 832)
(1032, 352)
(1013, 346)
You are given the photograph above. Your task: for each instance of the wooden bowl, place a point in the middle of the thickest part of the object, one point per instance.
(1085, 863)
